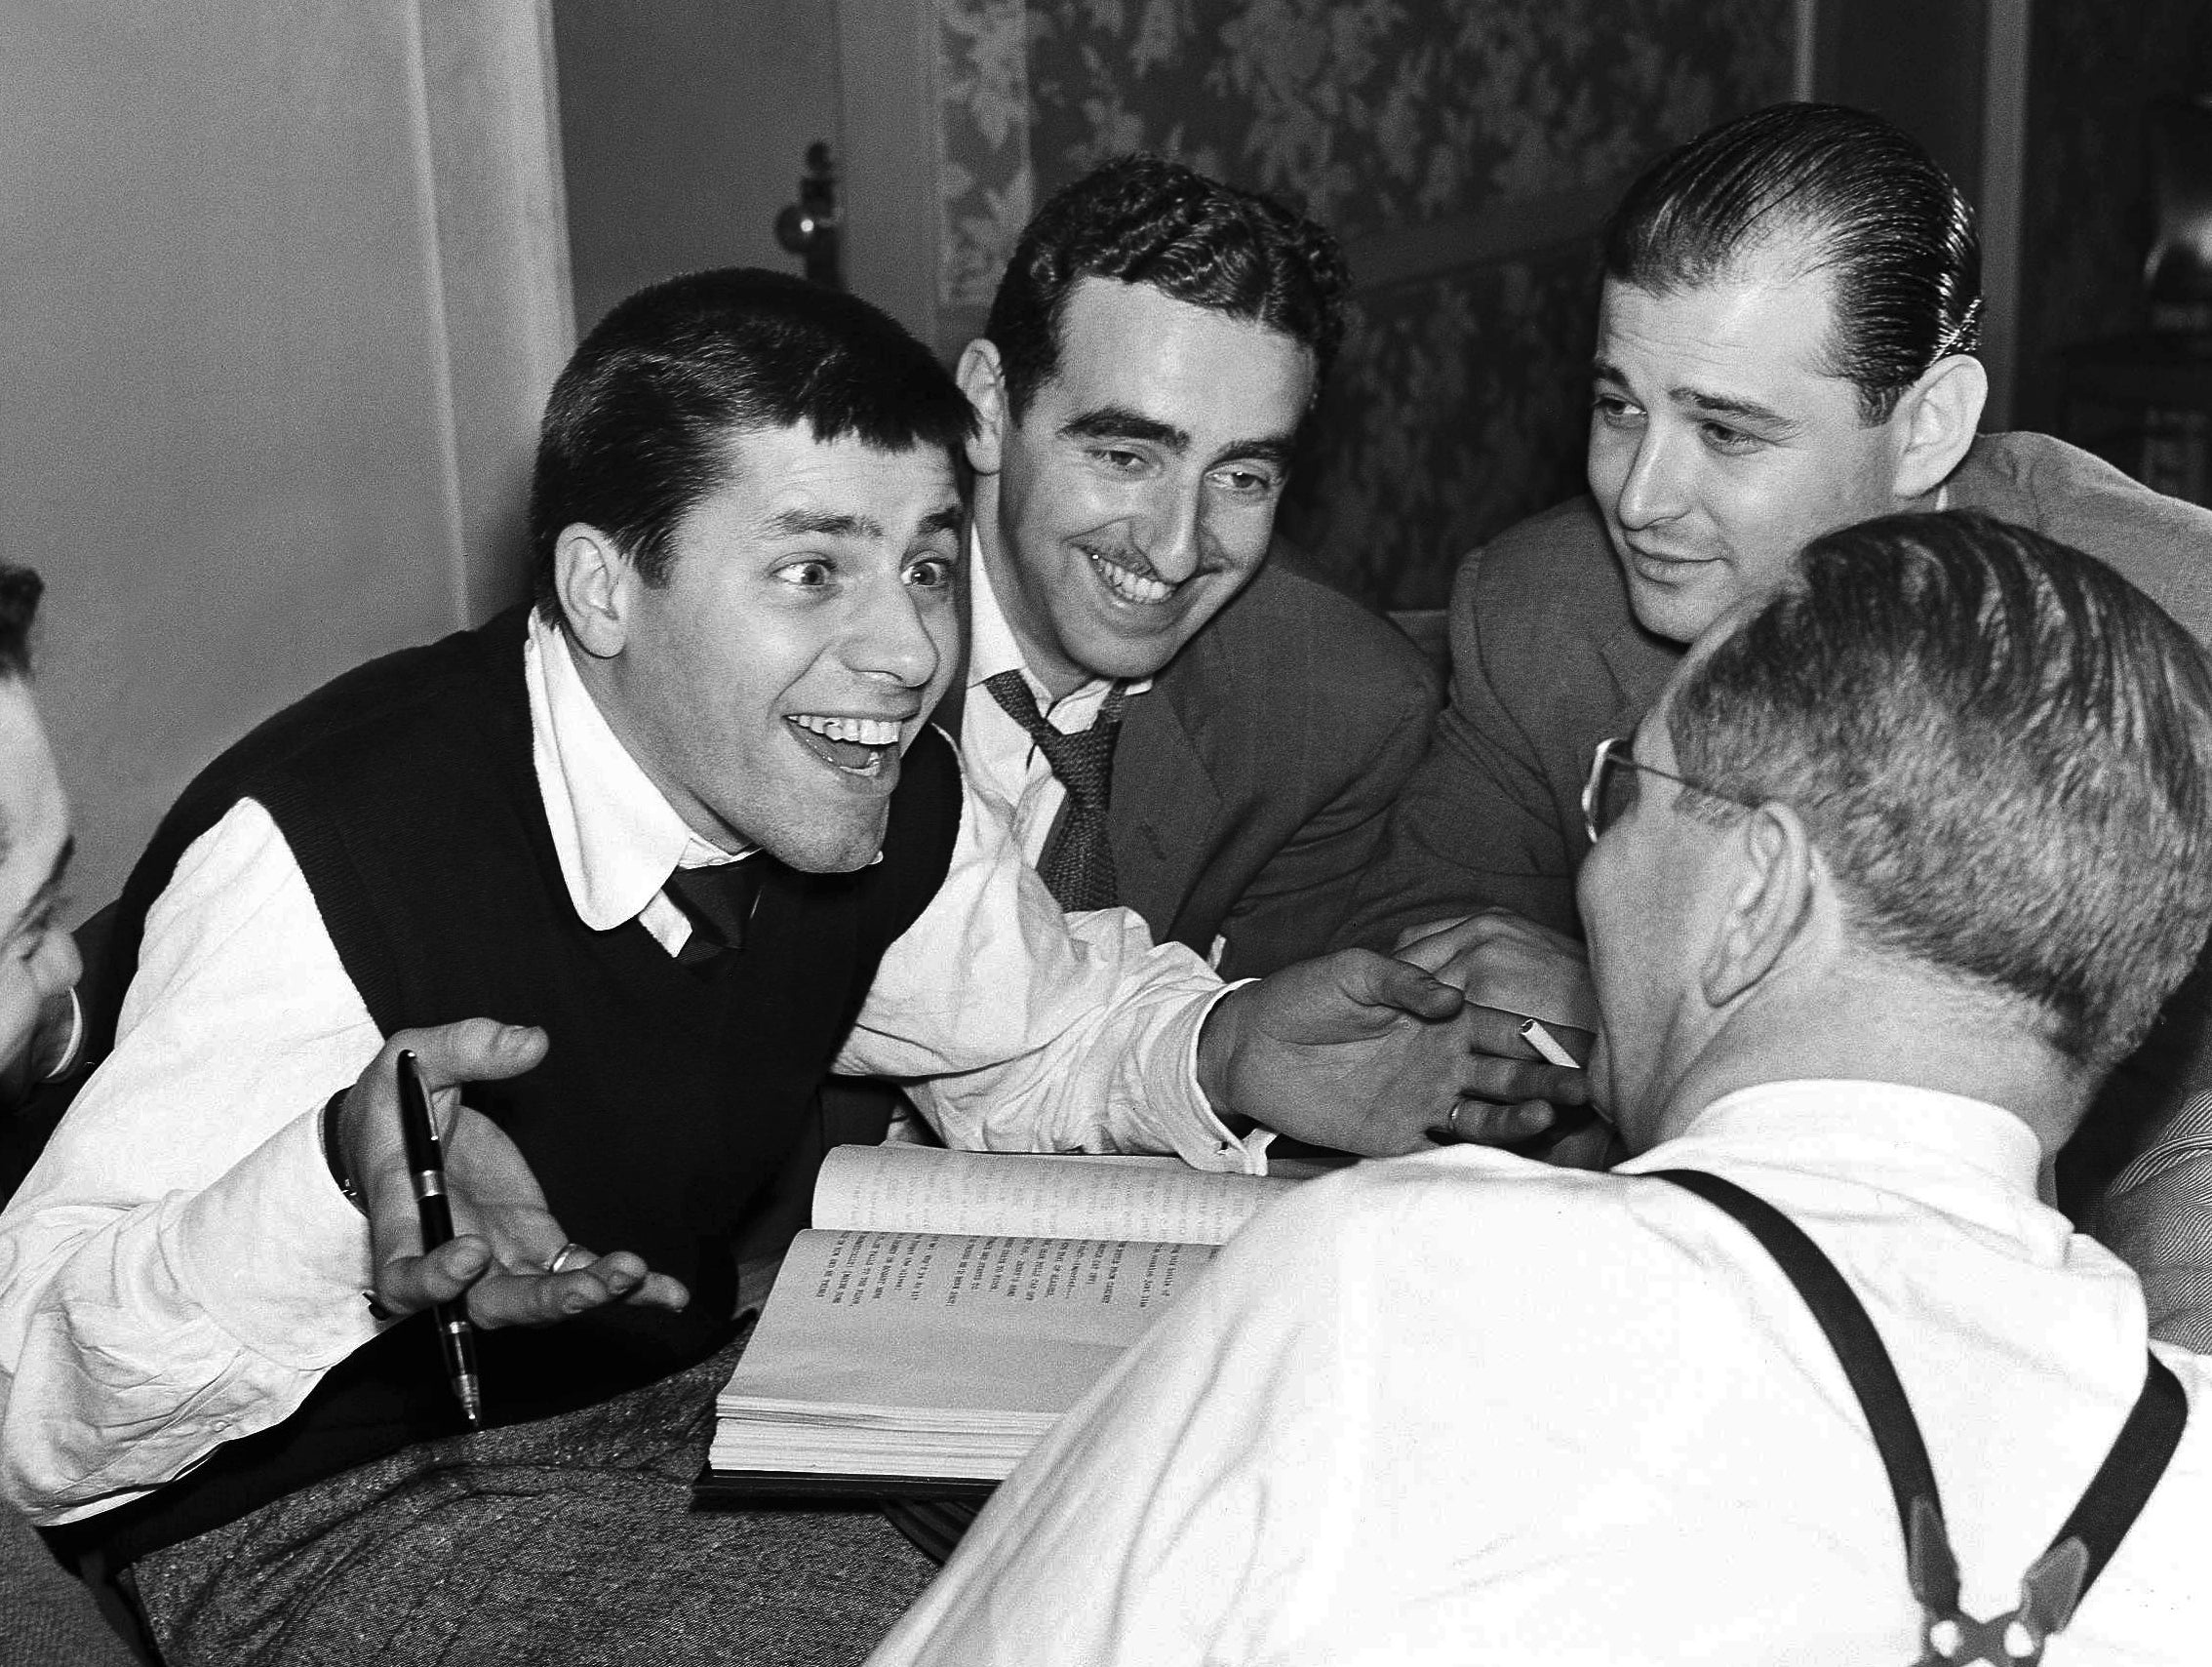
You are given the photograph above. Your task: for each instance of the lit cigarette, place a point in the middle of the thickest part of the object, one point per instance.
(1545, 1042)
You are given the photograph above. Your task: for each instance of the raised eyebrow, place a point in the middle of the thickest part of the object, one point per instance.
(1722, 405)
(822, 524)
(945, 519)
(1120, 422)
(1700, 401)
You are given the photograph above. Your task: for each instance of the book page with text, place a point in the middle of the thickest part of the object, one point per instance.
(928, 1189)
(926, 1320)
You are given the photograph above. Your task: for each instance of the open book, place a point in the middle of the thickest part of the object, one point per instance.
(948, 1307)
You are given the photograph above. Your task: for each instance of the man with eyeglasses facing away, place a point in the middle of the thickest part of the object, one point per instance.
(1787, 342)
(1900, 862)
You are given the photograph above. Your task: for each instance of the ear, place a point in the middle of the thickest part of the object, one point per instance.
(1768, 907)
(981, 381)
(1940, 413)
(592, 579)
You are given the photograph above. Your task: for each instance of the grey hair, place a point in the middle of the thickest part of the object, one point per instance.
(2002, 749)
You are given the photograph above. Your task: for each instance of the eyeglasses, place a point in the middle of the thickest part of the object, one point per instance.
(1610, 792)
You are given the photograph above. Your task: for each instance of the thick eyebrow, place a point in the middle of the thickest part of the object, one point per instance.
(1274, 450)
(49, 892)
(822, 524)
(1119, 422)
(1697, 399)
(945, 519)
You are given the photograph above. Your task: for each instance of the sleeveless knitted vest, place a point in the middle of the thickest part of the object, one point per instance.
(671, 1097)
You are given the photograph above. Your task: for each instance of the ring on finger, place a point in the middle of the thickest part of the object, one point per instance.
(1451, 1123)
(571, 1254)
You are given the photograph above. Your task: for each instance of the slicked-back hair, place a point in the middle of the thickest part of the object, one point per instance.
(637, 428)
(1832, 189)
(2002, 749)
(1143, 219)
(19, 591)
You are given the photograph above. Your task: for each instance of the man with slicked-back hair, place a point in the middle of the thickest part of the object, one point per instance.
(1787, 342)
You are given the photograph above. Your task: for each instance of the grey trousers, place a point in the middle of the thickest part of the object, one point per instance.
(569, 1541)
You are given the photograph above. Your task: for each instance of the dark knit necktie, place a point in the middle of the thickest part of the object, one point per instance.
(718, 902)
(1077, 865)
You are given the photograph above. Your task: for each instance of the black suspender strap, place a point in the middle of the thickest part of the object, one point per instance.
(2054, 1587)
(2122, 1485)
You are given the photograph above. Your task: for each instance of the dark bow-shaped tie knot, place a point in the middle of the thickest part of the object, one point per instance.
(719, 903)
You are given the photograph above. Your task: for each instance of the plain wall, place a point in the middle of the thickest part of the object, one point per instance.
(225, 376)
(684, 129)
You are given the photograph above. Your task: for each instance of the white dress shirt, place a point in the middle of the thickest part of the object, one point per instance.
(1461, 1407)
(1002, 758)
(179, 1269)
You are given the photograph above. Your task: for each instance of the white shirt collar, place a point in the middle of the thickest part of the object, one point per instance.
(992, 646)
(617, 838)
(1981, 1159)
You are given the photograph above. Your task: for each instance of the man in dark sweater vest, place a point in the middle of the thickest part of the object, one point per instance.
(638, 865)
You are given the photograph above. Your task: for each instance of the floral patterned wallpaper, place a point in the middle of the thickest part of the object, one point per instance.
(1457, 406)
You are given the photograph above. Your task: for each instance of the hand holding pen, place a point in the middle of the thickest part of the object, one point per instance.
(501, 1263)
(426, 1176)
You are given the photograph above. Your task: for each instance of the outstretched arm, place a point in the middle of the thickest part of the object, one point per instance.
(1033, 1030)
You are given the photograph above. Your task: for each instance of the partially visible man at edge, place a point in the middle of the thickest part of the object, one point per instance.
(1153, 347)
(1786, 344)
(683, 829)
(1465, 1406)
(47, 1618)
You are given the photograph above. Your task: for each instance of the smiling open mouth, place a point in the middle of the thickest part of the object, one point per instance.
(858, 746)
(1130, 585)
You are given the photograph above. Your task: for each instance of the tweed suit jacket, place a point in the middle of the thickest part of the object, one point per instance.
(1252, 781)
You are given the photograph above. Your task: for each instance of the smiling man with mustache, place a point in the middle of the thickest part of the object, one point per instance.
(1154, 346)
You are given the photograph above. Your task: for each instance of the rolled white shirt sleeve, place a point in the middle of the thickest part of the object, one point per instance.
(179, 1269)
(1036, 1031)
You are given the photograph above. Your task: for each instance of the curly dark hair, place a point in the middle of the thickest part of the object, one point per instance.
(1143, 219)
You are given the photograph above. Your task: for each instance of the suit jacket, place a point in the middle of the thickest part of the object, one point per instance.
(1547, 660)
(1252, 781)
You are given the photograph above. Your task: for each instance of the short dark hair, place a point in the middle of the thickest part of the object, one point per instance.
(2002, 749)
(1143, 219)
(637, 428)
(19, 591)
(1881, 218)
